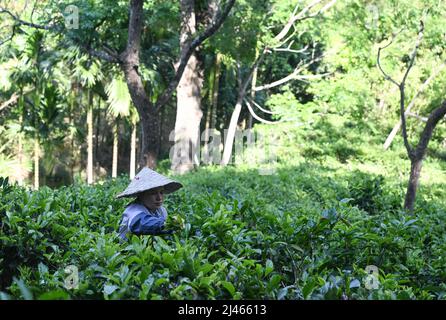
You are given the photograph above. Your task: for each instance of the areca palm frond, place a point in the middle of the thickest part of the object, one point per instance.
(87, 71)
(118, 97)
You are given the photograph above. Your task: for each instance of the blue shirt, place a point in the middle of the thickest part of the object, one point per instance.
(139, 220)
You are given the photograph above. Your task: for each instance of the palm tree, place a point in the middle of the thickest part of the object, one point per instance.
(29, 70)
(88, 71)
(134, 118)
(11, 81)
(119, 106)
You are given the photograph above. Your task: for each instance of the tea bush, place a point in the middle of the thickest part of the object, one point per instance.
(308, 231)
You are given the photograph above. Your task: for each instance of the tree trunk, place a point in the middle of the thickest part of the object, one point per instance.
(36, 160)
(415, 170)
(149, 143)
(22, 174)
(115, 148)
(242, 86)
(36, 139)
(129, 62)
(189, 114)
(130, 65)
(90, 138)
(98, 130)
(160, 129)
(211, 115)
(133, 151)
(253, 86)
(210, 97)
(229, 137)
(72, 125)
(416, 157)
(20, 157)
(216, 87)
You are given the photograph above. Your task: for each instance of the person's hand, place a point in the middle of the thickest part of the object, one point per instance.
(175, 221)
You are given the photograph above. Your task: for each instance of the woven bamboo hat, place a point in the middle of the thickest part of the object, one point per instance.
(148, 179)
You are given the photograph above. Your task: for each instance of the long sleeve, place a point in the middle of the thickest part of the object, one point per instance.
(138, 220)
(143, 224)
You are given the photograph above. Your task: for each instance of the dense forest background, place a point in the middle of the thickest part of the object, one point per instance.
(55, 85)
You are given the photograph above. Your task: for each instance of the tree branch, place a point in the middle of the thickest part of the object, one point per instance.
(302, 15)
(258, 106)
(414, 52)
(294, 75)
(378, 61)
(257, 117)
(25, 23)
(410, 114)
(288, 49)
(392, 134)
(9, 38)
(12, 100)
(104, 54)
(426, 135)
(186, 54)
(401, 86)
(402, 93)
(251, 70)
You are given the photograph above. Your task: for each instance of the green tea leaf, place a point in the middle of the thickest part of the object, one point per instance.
(109, 289)
(269, 267)
(229, 287)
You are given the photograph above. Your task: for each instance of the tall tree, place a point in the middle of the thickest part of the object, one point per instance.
(417, 154)
(119, 106)
(148, 107)
(278, 40)
(129, 60)
(88, 72)
(134, 121)
(90, 178)
(189, 114)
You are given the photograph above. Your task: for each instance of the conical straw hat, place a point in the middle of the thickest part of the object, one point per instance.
(148, 179)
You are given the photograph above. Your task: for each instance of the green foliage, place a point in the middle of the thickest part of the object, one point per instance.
(332, 208)
(286, 107)
(306, 232)
(118, 97)
(10, 165)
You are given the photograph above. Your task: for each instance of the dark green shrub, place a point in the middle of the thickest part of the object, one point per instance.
(366, 191)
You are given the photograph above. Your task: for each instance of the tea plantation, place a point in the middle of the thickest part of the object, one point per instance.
(308, 231)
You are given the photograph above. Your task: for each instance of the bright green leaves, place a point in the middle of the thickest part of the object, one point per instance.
(229, 287)
(109, 289)
(269, 267)
(253, 239)
(118, 97)
(4, 185)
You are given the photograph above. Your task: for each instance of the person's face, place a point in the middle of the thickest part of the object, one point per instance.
(153, 198)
